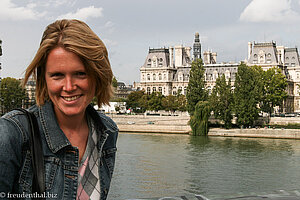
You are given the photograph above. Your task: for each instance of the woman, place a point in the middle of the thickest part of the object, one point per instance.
(71, 67)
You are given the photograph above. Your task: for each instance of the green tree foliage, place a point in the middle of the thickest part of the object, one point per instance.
(170, 103)
(134, 102)
(247, 94)
(196, 88)
(221, 101)
(114, 82)
(11, 94)
(181, 102)
(274, 91)
(155, 101)
(199, 121)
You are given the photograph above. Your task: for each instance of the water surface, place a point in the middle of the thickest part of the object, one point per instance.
(156, 165)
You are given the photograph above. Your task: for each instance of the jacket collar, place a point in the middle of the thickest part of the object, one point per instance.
(55, 137)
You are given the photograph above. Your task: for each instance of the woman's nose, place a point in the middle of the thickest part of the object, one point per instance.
(69, 84)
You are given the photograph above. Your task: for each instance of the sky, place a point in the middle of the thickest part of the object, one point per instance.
(130, 27)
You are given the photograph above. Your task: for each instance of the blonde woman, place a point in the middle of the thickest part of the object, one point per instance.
(71, 67)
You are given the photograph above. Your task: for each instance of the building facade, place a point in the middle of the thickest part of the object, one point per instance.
(167, 70)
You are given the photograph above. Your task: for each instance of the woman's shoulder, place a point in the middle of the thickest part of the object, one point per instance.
(108, 122)
(15, 121)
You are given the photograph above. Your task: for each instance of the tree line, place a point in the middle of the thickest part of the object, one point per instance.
(139, 102)
(253, 91)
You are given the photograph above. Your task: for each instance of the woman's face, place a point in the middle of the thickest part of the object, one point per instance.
(69, 87)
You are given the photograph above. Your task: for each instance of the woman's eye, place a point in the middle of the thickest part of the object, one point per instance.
(56, 75)
(81, 73)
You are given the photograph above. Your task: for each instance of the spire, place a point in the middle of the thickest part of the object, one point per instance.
(197, 47)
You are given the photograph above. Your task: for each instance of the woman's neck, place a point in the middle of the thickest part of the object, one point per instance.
(73, 123)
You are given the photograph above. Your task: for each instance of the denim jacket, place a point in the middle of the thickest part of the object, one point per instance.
(60, 157)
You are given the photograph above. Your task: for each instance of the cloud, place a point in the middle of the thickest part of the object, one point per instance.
(10, 11)
(269, 11)
(57, 3)
(83, 13)
(109, 42)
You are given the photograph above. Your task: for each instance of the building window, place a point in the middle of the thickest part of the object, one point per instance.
(269, 55)
(165, 77)
(293, 57)
(286, 58)
(154, 89)
(148, 77)
(255, 55)
(180, 90)
(159, 76)
(160, 89)
(148, 90)
(154, 77)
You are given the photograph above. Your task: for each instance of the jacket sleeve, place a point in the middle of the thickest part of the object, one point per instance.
(11, 154)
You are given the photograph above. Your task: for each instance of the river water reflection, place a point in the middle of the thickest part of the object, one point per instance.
(156, 165)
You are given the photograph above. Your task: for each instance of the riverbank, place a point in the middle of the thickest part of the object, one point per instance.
(179, 125)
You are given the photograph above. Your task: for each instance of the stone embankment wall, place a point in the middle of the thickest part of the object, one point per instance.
(179, 125)
(152, 124)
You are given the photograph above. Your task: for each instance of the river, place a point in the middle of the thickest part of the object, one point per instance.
(157, 165)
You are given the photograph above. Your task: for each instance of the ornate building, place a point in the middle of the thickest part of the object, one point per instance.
(167, 70)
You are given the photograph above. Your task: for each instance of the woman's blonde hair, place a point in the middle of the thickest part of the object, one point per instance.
(77, 37)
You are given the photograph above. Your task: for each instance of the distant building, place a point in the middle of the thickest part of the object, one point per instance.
(123, 91)
(167, 70)
(30, 91)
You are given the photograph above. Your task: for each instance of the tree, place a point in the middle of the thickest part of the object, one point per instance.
(221, 101)
(114, 82)
(196, 88)
(133, 101)
(247, 94)
(181, 102)
(170, 103)
(11, 94)
(155, 101)
(199, 121)
(274, 90)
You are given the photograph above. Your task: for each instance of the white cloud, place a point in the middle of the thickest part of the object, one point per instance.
(57, 3)
(83, 13)
(10, 11)
(109, 42)
(269, 11)
(109, 24)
